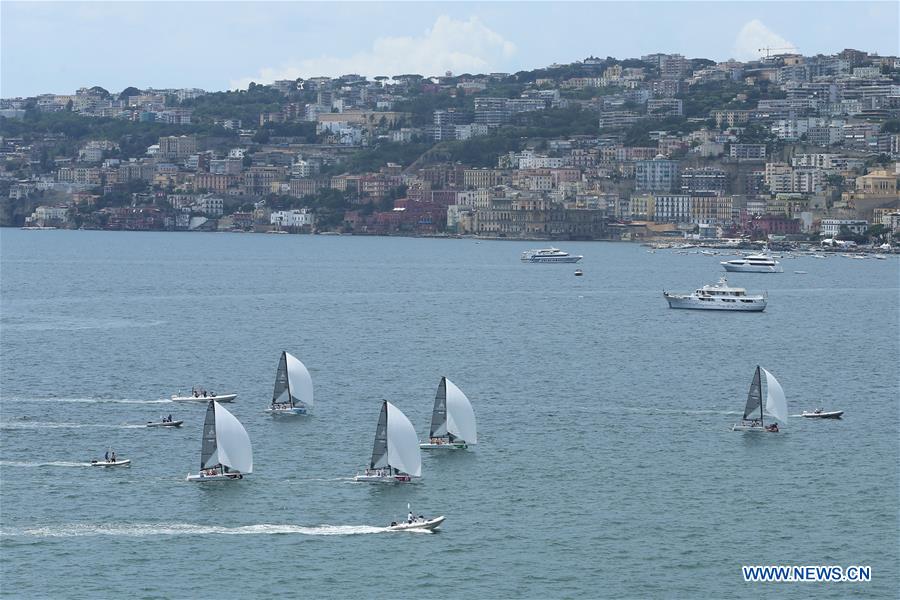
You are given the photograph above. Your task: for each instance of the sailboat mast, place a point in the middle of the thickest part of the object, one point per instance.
(287, 376)
(761, 411)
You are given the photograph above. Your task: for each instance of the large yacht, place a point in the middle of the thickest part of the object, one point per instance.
(718, 297)
(755, 263)
(550, 255)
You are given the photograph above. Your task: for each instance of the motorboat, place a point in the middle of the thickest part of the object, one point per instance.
(119, 462)
(225, 450)
(452, 420)
(578, 272)
(822, 414)
(293, 393)
(417, 524)
(755, 411)
(550, 255)
(718, 297)
(395, 455)
(754, 263)
(164, 423)
(203, 396)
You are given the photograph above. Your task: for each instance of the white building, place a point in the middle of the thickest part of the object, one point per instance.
(832, 227)
(292, 218)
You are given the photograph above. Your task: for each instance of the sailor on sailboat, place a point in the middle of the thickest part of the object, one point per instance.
(452, 420)
(293, 394)
(775, 405)
(225, 452)
(395, 455)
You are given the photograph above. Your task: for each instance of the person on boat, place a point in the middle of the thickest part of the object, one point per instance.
(410, 518)
(106, 456)
(204, 393)
(169, 419)
(112, 456)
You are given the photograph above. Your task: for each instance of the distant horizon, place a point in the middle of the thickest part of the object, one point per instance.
(58, 47)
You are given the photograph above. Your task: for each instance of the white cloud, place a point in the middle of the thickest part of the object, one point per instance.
(753, 36)
(449, 45)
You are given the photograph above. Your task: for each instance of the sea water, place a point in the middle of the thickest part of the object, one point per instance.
(605, 465)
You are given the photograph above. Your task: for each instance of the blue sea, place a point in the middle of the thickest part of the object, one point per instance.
(605, 465)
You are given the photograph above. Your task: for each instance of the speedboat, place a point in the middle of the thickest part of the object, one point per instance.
(549, 255)
(755, 263)
(119, 462)
(164, 423)
(822, 414)
(718, 297)
(197, 396)
(578, 272)
(419, 523)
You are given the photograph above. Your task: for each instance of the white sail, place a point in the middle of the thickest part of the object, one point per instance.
(460, 416)
(402, 443)
(776, 404)
(299, 382)
(232, 441)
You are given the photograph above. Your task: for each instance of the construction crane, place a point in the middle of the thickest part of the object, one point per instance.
(769, 50)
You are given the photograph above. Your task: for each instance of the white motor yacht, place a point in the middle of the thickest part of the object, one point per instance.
(550, 255)
(718, 297)
(755, 263)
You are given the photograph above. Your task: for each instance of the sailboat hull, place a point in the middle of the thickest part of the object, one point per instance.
(297, 410)
(447, 446)
(383, 478)
(201, 478)
(756, 428)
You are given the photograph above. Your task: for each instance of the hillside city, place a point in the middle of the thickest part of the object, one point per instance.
(787, 147)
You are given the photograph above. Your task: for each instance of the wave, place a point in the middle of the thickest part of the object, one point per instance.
(153, 529)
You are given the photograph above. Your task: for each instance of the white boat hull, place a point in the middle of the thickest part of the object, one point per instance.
(554, 259)
(744, 304)
(164, 423)
(297, 410)
(447, 446)
(753, 428)
(834, 414)
(220, 398)
(201, 478)
(111, 463)
(362, 477)
(428, 525)
(733, 268)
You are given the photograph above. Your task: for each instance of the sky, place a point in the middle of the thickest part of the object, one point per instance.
(57, 47)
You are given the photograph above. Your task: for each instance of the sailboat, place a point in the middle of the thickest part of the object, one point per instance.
(293, 394)
(395, 455)
(225, 451)
(775, 404)
(452, 420)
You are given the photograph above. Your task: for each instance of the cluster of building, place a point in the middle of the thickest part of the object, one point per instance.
(816, 151)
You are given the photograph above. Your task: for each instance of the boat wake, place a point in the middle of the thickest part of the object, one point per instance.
(173, 529)
(54, 463)
(91, 400)
(16, 425)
